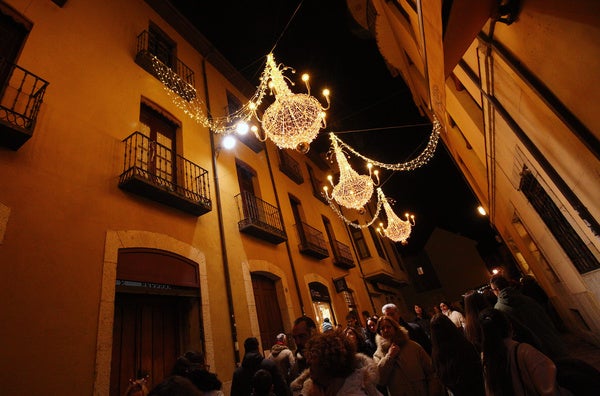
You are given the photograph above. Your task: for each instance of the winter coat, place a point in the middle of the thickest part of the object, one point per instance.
(362, 381)
(529, 313)
(241, 385)
(410, 373)
(284, 357)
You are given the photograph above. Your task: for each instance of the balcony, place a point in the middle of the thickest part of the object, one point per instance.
(381, 276)
(342, 255)
(156, 172)
(21, 95)
(312, 242)
(156, 58)
(259, 218)
(290, 167)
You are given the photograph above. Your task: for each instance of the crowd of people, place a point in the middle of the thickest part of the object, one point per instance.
(496, 342)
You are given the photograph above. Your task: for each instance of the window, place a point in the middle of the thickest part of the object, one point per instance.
(378, 245)
(317, 185)
(160, 161)
(559, 227)
(321, 302)
(161, 46)
(360, 242)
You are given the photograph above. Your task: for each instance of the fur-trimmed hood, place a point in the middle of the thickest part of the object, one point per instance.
(383, 344)
(362, 381)
(277, 348)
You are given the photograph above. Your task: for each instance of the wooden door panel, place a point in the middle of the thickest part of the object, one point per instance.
(145, 338)
(267, 309)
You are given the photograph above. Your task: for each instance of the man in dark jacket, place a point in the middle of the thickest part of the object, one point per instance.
(253, 361)
(530, 314)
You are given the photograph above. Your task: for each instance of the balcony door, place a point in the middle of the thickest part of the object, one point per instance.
(246, 180)
(159, 157)
(13, 35)
(297, 211)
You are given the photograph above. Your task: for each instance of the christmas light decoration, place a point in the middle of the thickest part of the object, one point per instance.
(413, 164)
(292, 121)
(353, 190)
(397, 230)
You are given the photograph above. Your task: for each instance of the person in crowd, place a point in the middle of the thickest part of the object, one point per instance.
(512, 368)
(334, 369)
(137, 387)
(356, 337)
(455, 316)
(303, 330)
(404, 366)
(531, 288)
(253, 360)
(262, 383)
(192, 366)
(283, 356)
(455, 360)
(175, 385)
(326, 326)
(352, 320)
(530, 314)
(366, 315)
(475, 302)
(422, 319)
(415, 332)
(371, 334)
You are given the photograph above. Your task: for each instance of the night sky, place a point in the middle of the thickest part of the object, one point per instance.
(319, 37)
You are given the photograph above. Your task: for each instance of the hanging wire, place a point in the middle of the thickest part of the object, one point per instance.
(286, 26)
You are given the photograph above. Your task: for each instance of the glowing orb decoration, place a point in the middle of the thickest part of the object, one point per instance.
(293, 121)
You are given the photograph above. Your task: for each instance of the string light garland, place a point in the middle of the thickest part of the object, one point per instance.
(292, 121)
(413, 164)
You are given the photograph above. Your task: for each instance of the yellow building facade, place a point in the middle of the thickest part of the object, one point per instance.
(128, 233)
(514, 84)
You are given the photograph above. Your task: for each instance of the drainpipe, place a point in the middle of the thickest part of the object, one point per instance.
(287, 241)
(236, 347)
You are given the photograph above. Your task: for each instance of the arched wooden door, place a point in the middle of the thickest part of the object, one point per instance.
(145, 338)
(267, 309)
(156, 309)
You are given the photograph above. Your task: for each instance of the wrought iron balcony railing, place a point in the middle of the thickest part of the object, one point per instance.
(259, 218)
(289, 166)
(170, 71)
(312, 242)
(342, 255)
(158, 173)
(21, 95)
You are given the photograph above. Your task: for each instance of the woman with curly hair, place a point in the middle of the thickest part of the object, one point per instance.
(455, 360)
(404, 366)
(334, 369)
